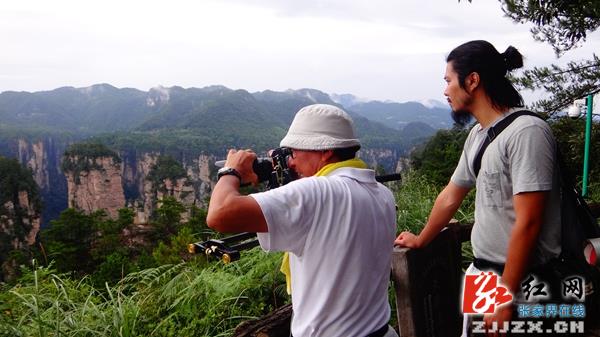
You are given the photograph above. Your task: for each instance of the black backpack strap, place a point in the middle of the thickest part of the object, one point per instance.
(577, 221)
(494, 131)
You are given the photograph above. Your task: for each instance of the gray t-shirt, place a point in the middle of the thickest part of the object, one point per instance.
(521, 159)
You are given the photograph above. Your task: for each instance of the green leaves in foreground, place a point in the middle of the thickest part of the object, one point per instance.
(171, 300)
(415, 200)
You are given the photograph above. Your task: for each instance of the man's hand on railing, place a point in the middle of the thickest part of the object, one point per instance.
(407, 239)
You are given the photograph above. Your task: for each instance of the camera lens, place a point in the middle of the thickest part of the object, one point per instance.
(263, 169)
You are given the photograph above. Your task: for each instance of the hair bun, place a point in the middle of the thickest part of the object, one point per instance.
(512, 58)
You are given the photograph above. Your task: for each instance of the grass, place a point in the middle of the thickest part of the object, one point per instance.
(415, 199)
(171, 300)
(182, 299)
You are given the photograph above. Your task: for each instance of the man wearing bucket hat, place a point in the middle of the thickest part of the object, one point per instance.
(337, 223)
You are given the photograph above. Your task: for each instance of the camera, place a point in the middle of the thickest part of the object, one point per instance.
(275, 170)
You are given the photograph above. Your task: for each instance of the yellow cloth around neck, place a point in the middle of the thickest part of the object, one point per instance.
(325, 170)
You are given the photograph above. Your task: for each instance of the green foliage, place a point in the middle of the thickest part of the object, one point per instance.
(210, 301)
(113, 268)
(414, 201)
(193, 141)
(172, 300)
(89, 110)
(16, 221)
(33, 134)
(166, 167)
(81, 157)
(439, 157)
(573, 81)
(112, 260)
(15, 178)
(176, 250)
(168, 215)
(570, 137)
(91, 151)
(94, 245)
(47, 304)
(416, 197)
(69, 238)
(562, 24)
(197, 221)
(126, 216)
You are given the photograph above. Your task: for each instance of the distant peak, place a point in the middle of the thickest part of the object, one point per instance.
(433, 103)
(216, 88)
(97, 89)
(347, 100)
(314, 95)
(158, 95)
(160, 89)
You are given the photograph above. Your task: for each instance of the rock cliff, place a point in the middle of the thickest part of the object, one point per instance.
(98, 187)
(97, 178)
(43, 156)
(381, 157)
(20, 208)
(189, 182)
(20, 219)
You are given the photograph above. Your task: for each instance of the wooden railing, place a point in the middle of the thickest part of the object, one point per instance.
(427, 283)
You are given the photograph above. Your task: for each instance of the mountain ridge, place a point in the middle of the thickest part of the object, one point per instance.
(206, 119)
(102, 107)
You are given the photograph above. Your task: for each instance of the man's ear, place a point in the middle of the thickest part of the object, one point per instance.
(327, 156)
(472, 82)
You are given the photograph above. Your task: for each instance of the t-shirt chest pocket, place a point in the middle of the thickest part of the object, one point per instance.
(491, 188)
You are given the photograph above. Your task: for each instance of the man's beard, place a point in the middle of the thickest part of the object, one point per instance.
(461, 117)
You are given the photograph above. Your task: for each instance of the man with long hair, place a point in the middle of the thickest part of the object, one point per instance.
(517, 202)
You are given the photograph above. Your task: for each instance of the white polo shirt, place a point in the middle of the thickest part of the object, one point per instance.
(339, 230)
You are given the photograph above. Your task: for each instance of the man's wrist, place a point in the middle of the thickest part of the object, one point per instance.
(418, 241)
(229, 171)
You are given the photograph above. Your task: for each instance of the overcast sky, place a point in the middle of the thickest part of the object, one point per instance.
(375, 49)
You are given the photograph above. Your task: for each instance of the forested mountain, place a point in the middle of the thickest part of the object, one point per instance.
(98, 108)
(398, 115)
(193, 125)
(195, 120)
(213, 110)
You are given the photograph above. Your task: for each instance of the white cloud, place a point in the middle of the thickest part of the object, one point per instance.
(378, 49)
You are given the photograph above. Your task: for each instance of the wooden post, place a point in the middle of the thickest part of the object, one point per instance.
(274, 324)
(427, 283)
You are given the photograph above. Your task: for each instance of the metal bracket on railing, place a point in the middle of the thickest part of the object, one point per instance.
(226, 249)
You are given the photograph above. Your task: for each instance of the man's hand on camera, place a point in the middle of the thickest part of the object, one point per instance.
(242, 160)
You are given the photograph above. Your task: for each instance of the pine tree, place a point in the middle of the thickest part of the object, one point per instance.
(565, 25)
